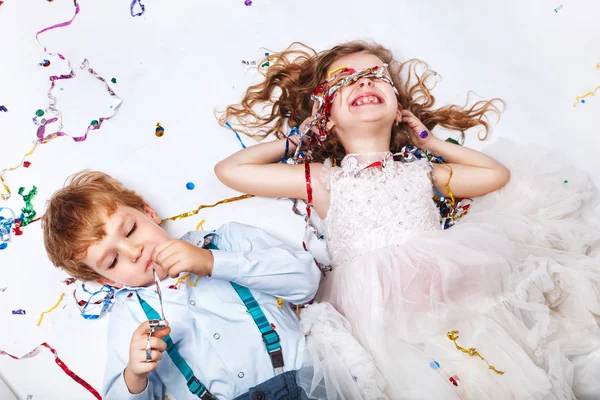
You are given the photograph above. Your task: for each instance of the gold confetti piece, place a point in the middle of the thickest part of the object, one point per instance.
(580, 98)
(200, 225)
(453, 336)
(194, 212)
(279, 302)
(50, 310)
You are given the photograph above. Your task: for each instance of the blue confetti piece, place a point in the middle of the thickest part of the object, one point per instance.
(18, 312)
(434, 365)
(2, 108)
(190, 186)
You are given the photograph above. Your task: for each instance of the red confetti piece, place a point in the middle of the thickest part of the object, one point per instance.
(17, 228)
(61, 364)
(26, 164)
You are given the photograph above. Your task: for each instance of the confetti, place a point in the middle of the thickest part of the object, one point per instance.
(248, 62)
(26, 164)
(453, 336)
(114, 80)
(60, 363)
(18, 312)
(160, 131)
(28, 211)
(132, 6)
(434, 365)
(190, 186)
(54, 114)
(39, 113)
(558, 8)
(62, 295)
(455, 380)
(45, 63)
(3, 108)
(581, 98)
(3, 289)
(197, 210)
(248, 2)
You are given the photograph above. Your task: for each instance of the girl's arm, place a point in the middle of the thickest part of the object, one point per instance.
(257, 170)
(473, 173)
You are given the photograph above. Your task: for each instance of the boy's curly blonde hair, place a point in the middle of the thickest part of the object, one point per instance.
(75, 218)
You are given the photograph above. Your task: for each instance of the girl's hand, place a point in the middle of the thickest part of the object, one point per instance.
(419, 135)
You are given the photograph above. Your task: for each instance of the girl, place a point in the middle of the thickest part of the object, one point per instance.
(486, 309)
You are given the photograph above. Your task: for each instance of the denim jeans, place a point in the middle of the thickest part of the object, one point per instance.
(280, 387)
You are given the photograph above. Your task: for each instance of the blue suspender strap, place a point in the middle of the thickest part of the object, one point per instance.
(269, 336)
(195, 386)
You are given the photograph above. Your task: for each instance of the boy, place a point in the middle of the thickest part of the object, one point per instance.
(95, 229)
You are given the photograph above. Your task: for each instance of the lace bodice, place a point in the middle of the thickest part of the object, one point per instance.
(378, 206)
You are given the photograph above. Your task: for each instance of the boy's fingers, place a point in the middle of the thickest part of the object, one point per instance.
(156, 254)
(143, 329)
(159, 334)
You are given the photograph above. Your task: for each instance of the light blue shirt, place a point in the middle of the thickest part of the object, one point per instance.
(209, 323)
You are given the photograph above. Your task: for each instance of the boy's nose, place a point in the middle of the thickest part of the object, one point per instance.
(134, 252)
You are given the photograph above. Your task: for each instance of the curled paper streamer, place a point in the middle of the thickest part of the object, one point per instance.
(472, 352)
(196, 211)
(60, 363)
(54, 115)
(62, 295)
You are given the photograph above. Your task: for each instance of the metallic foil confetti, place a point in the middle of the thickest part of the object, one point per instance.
(53, 114)
(28, 211)
(60, 363)
(160, 131)
(107, 301)
(453, 336)
(132, 6)
(194, 212)
(6, 225)
(62, 295)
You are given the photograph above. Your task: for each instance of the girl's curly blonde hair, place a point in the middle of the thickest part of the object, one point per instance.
(284, 97)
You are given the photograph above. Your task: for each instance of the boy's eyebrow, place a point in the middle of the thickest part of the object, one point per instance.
(119, 229)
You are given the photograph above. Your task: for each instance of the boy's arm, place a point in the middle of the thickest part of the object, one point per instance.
(118, 338)
(252, 258)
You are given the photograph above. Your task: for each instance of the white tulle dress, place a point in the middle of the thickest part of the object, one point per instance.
(518, 277)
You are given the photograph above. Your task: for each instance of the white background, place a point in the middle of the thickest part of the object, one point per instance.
(182, 59)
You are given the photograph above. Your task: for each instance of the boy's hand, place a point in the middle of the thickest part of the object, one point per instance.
(138, 368)
(176, 256)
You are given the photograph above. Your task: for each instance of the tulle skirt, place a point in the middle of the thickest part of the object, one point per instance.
(504, 305)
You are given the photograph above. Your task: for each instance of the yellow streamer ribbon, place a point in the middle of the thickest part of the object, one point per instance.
(9, 169)
(453, 336)
(183, 278)
(200, 225)
(50, 310)
(450, 194)
(279, 302)
(334, 71)
(196, 211)
(592, 93)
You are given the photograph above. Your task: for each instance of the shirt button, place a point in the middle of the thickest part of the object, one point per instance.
(217, 336)
(192, 303)
(241, 375)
